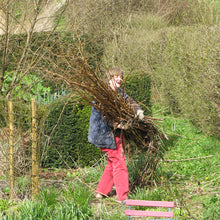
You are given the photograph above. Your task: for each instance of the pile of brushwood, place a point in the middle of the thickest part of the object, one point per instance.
(90, 84)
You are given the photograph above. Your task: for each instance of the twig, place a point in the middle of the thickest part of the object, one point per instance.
(196, 158)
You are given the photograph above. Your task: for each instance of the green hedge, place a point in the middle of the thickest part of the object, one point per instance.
(138, 86)
(69, 138)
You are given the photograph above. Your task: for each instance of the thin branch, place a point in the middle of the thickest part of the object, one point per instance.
(5, 48)
(196, 158)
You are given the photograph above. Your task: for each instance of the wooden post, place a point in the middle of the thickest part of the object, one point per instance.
(11, 143)
(35, 163)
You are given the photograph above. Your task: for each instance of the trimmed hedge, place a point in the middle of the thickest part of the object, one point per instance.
(69, 138)
(139, 88)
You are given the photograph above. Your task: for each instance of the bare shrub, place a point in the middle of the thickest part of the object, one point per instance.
(186, 12)
(185, 72)
(182, 61)
(22, 157)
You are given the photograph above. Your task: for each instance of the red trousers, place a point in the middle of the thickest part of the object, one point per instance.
(116, 172)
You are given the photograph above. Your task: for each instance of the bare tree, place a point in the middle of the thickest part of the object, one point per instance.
(21, 49)
(27, 27)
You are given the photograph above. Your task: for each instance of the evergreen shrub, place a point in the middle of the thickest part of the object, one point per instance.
(138, 87)
(68, 141)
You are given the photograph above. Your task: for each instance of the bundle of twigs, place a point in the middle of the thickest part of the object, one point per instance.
(91, 85)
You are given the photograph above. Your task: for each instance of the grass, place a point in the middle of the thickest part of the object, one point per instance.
(189, 176)
(190, 169)
(191, 153)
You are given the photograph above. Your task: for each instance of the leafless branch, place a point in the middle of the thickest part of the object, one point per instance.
(196, 158)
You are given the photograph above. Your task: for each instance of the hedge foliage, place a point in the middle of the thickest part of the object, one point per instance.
(68, 142)
(185, 72)
(51, 45)
(138, 87)
(183, 63)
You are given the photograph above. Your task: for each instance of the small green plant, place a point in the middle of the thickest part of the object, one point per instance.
(73, 174)
(5, 204)
(6, 189)
(71, 210)
(140, 194)
(34, 210)
(28, 88)
(75, 202)
(49, 196)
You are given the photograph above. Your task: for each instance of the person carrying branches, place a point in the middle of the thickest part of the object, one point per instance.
(108, 135)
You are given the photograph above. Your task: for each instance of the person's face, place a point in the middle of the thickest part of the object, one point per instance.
(116, 82)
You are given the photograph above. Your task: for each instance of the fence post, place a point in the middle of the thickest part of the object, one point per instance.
(35, 163)
(11, 151)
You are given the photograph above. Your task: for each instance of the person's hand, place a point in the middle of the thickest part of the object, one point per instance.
(120, 126)
(140, 114)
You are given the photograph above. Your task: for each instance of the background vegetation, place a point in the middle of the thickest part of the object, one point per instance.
(169, 51)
